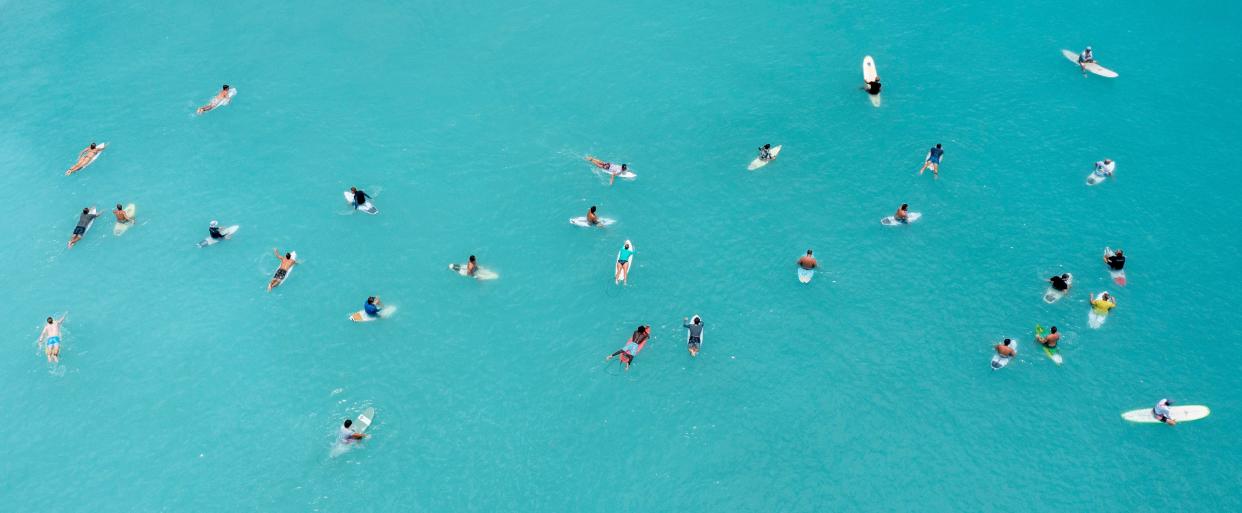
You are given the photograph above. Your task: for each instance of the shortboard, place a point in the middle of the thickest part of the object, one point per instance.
(759, 162)
(120, 227)
(94, 157)
(869, 74)
(1179, 413)
(892, 221)
(1053, 295)
(365, 207)
(1090, 66)
(479, 274)
(227, 232)
(805, 275)
(1097, 176)
(361, 315)
(582, 221)
(1053, 353)
(1118, 275)
(999, 361)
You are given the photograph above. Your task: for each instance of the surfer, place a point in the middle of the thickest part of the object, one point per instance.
(51, 336)
(695, 335)
(84, 221)
(347, 435)
(360, 196)
(873, 87)
(612, 169)
(1162, 413)
(1049, 341)
(213, 230)
(765, 152)
(1005, 350)
(1103, 303)
(286, 263)
(1116, 261)
(1085, 58)
(622, 273)
(84, 157)
(1061, 283)
(807, 261)
(1105, 168)
(592, 219)
(933, 160)
(372, 306)
(471, 266)
(121, 216)
(216, 100)
(902, 216)
(633, 346)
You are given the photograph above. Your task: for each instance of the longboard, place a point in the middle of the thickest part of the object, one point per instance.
(1090, 66)
(227, 232)
(869, 74)
(758, 162)
(1179, 413)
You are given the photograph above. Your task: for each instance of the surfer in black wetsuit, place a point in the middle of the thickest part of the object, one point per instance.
(1117, 261)
(360, 196)
(765, 152)
(1060, 283)
(873, 87)
(214, 230)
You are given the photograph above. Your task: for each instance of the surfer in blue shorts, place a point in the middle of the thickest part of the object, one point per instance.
(622, 274)
(933, 161)
(51, 337)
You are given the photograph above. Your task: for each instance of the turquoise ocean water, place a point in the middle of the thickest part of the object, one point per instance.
(185, 387)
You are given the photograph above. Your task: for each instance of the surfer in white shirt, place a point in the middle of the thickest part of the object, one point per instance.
(1161, 411)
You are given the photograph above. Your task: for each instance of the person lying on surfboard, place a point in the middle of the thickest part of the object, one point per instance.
(51, 336)
(84, 158)
(633, 346)
(347, 435)
(902, 216)
(1003, 349)
(216, 100)
(873, 87)
(1117, 261)
(1049, 341)
(612, 169)
(694, 337)
(286, 262)
(84, 222)
(933, 161)
(765, 152)
(1161, 412)
(807, 261)
(622, 274)
(121, 216)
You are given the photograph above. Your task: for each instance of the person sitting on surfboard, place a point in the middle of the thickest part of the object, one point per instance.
(1049, 341)
(807, 261)
(216, 100)
(471, 266)
(372, 307)
(765, 152)
(1117, 261)
(633, 346)
(84, 221)
(347, 435)
(1086, 57)
(84, 158)
(695, 336)
(1060, 283)
(286, 262)
(1161, 412)
(1003, 349)
(612, 169)
(592, 219)
(873, 87)
(360, 196)
(121, 216)
(933, 161)
(213, 230)
(1104, 168)
(902, 216)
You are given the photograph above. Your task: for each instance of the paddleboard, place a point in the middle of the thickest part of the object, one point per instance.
(1179, 413)
(1118, 275)
(1051, 352)
(227, 232)
(758, 162)
(805, 275)
(361, 315)
(869, 74)
(365, 207)
(479, 274)
(582, 221)
(1053, 295)
(120, 227)
(999, 361)
(1096, 177)
(892, 221)
(1090, 66)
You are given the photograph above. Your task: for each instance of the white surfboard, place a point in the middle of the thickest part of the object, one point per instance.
(479, 274)
(892, 221)
(365, 207)
(758, 162)
(582, 221)
(1090, 66)
(361, 315)
(805, 275)
(120, 227)
(292, 255)
(999, 361)
(1118, 275)
(364, 420)
(227, 232)
(1179, 413)
(869, 74)
(1097, 176)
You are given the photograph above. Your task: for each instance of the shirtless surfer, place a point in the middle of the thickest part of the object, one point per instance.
(121, 216)
(933, 160)
(219, 98)
(85, 157)
(286, 263)
(1050, 340)
(592, 218)
(622, 273)
(612, 169)
(807, 261)
(51, 336)
(1004, 349)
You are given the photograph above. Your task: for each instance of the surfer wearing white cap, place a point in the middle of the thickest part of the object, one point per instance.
(213, 229)
(624, 256)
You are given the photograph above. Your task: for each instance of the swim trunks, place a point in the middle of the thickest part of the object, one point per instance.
(79, 230)
(52, 341)
(694, 342)
(280, 274)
